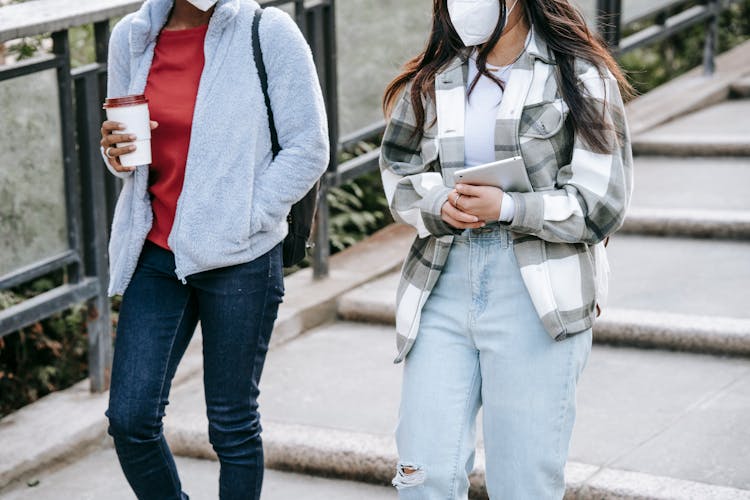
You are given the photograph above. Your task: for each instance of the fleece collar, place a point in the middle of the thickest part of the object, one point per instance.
(152, 16)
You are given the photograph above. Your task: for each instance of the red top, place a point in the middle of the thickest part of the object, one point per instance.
(171, 89)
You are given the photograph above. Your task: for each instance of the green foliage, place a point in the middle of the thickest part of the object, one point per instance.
(47, 356)
(26, 48)
(358, 208)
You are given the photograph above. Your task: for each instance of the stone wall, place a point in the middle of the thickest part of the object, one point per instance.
(374, 39)
(32, 201)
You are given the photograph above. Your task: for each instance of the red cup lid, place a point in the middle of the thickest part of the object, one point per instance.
(128, 100)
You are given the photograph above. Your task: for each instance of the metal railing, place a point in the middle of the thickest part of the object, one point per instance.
(666, 20)
(85, 260)
(90, 194)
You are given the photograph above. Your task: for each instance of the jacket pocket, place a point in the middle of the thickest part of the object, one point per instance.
(543, 120)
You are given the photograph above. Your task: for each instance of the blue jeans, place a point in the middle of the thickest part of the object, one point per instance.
(237, 307)
(481, 343)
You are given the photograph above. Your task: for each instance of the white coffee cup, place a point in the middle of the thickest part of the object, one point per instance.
(132, 111)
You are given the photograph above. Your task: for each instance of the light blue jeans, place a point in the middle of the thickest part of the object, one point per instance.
(481, 343)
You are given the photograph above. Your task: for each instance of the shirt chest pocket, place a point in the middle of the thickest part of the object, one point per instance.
(543, 120)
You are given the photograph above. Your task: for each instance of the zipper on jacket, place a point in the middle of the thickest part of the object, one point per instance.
(178, 211)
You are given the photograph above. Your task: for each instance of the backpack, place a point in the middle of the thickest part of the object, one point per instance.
(302, 214)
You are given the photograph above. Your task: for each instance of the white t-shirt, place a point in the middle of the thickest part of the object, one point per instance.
(480, 118)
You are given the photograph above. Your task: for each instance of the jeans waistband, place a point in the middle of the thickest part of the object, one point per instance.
(489, 232)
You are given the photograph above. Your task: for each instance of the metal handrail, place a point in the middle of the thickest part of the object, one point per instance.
(48, 16)
(89, 193)
(658, 10)
(669, 21)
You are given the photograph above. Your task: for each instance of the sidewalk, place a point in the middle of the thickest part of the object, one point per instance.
(98, 476)
(654, 424)
(659, 413)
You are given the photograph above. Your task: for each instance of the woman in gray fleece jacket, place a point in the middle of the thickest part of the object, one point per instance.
(196, 234)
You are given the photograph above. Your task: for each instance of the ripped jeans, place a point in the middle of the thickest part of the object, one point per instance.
(481, 344)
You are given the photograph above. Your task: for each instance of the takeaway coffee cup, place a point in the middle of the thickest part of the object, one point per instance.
(132, 111)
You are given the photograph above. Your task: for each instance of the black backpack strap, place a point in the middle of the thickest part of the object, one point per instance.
(263, 75)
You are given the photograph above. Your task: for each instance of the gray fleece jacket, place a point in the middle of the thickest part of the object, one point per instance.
(235, 198)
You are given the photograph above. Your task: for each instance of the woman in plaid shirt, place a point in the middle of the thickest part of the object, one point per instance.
(500, 289)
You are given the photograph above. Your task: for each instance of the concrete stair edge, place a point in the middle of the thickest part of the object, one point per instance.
(625, 327)
(727, 224)
(679, 332)
(674, 145)
(740, 89)
(372, 458)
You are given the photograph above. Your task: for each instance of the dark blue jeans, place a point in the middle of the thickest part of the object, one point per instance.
(237, 307)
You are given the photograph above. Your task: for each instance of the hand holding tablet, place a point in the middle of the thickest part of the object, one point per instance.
(508, 175)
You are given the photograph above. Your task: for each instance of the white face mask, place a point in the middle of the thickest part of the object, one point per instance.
(203, 5)
(476, 20)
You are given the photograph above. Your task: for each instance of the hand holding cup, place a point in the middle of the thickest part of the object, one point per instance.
(112, 135)
(126, 134)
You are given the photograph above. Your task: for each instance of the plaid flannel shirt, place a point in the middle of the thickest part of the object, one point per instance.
(579, 196)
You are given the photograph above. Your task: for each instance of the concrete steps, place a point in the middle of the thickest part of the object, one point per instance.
(669, 293)
(646, 419)
(651, 423)
(680, 275)
(695, 197)
(703, 183)
(722, 129)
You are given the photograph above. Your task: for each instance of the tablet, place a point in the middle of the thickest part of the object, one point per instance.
(509, 175)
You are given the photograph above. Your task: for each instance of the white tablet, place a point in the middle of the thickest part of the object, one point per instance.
(509, 175)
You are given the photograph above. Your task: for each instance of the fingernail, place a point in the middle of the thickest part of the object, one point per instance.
(131, 148)
(131, 138)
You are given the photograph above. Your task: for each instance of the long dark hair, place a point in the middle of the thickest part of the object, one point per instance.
(563, 28)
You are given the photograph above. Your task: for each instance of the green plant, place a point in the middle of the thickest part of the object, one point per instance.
(47, 356)
(359, 207)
